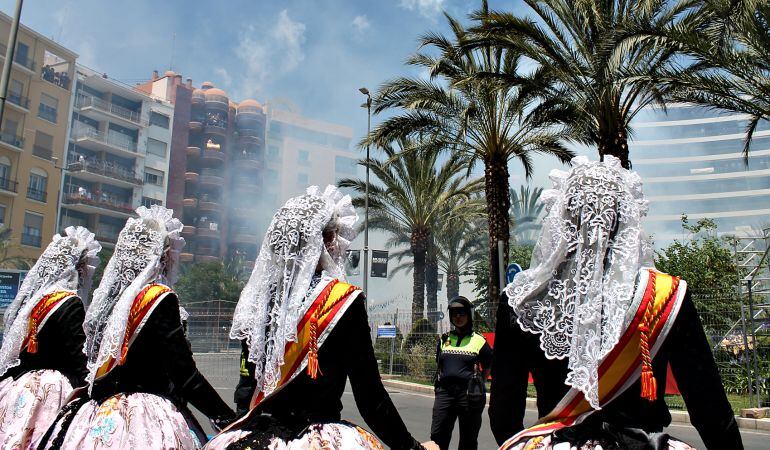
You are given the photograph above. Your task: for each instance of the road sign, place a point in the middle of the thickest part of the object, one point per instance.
(386, 331)
(10, 282)
(511, 272)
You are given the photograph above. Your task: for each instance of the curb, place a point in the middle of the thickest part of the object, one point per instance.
(678, 417)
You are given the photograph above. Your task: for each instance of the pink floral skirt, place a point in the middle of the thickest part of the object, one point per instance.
(28, 406)
(545, 443)
(328, 436)
(126, 421)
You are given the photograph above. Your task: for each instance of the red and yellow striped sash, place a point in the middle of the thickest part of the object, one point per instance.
(630, 358)
(47, 305)
(144, 303)
(318, 320)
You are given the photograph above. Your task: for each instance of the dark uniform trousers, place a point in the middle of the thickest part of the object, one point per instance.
(451, 403)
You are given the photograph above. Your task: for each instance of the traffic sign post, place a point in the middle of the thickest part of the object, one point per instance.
(511, 271)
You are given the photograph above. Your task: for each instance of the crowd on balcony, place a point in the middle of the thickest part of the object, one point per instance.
(61, 79)
(216, 120)
(98, 197)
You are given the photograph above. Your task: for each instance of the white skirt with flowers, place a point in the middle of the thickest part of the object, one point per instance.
(29, 405)
(124, 421)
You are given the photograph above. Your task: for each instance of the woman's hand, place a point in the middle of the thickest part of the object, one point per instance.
(430, 445)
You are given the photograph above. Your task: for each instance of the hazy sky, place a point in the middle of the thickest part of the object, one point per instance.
(315, 54)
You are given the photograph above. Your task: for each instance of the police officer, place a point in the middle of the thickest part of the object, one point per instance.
(464, 359)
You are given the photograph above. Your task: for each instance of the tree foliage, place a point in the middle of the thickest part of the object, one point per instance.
(707, 263)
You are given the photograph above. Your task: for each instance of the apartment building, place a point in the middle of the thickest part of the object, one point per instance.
(117, 154)
(33, 136)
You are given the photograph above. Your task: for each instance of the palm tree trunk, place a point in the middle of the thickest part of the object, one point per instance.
(431, 283)
(498, 206)
(615, 144)
(452, 285)
(419, 247)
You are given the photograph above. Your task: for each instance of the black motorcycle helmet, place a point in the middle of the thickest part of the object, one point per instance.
(463, 303)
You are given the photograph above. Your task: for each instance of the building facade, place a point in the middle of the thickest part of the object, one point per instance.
(33, 137)
(302, 152)
(117, 155)
(691, 162)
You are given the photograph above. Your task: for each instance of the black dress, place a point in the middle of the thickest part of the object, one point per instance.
(686, 349)
(346, 353)
(60, 345)
(159, 362)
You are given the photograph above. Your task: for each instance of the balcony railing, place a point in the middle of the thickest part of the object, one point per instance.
(18, 100)
(86, 101)
(12, 139)
(9, 185)
(59, 78)
(42, 152)
(33, 240)
(114, 139)
(107, 234)
(37, 194)
(105, 202)
(104, 168)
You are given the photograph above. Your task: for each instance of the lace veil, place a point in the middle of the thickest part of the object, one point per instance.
(584, 267)
(68, 263)
(147, 251)
(275, 297)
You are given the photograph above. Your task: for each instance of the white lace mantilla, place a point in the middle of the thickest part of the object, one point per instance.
(584, 266)
(67, 264)
(147, 251)
(275, 297)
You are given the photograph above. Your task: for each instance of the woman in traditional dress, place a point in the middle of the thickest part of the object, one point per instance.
(141, 371)
(306, 333)
(42, 358)
(597, 326)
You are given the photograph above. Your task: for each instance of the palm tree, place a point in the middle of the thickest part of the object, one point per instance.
(8, 257)
(525, 214)
(464, 109)
(591, 75)
(458, 246)
(411, 194)
(454, 247)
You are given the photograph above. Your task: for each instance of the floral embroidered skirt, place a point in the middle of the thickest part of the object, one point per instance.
(270, 435)
(28, 406)
(546, 443)
(123, 421)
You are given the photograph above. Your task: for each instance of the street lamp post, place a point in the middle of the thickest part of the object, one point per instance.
(368, 105)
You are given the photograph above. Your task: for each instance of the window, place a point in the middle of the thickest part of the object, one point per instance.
(303, 158)
(22, 55)
(152, 176)
(158, 119)
(147, 202)
(16, 94)
(33, 230)
(38, 182)
(43, 147)
(273, 152)
(5, 174)
(302, 179)
(156, 147)
(48, 108)
(2, 215)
